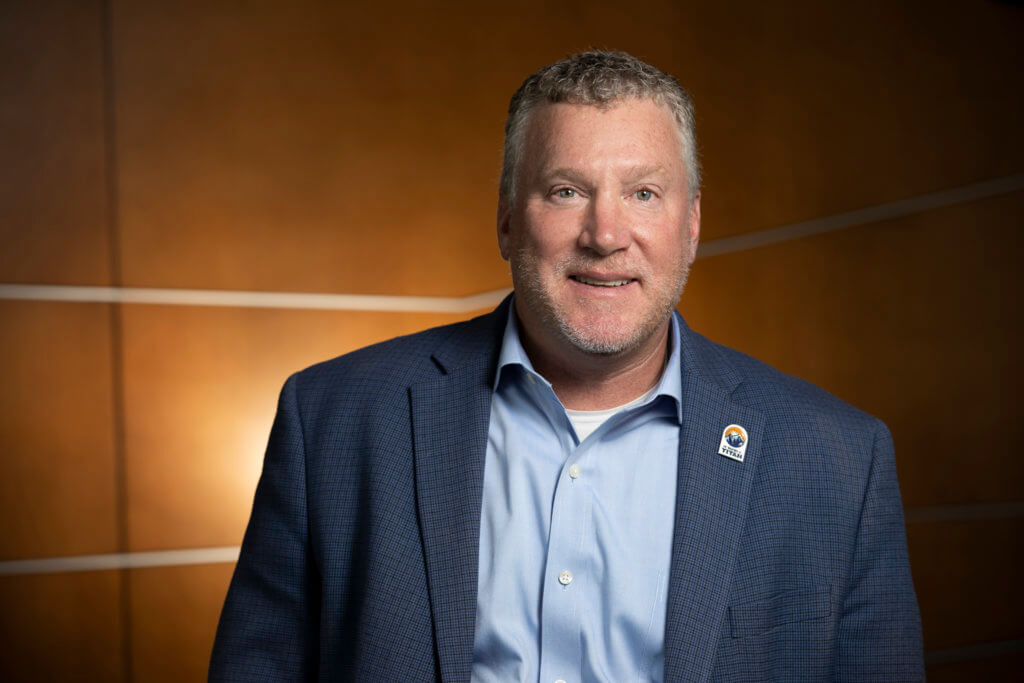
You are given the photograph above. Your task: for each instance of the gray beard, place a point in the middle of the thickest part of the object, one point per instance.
(528, 286)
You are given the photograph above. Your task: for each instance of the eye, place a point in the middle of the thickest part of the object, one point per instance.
(644, 195)
(565, 193)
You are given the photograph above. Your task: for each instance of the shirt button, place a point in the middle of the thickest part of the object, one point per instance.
(559, 681)
(565, 578)
(574, 471)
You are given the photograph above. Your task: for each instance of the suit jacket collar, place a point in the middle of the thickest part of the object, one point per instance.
(450, 416)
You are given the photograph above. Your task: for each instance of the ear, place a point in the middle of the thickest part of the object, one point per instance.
(694, 221)
(504, 226)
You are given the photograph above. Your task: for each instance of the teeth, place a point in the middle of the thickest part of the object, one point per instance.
(600, 283)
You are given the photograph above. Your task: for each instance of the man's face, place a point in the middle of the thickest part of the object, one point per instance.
(602, 232)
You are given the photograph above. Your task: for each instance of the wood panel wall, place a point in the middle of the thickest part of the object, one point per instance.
(344, 148)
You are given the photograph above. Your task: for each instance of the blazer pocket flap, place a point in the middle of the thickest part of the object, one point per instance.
(781, 608)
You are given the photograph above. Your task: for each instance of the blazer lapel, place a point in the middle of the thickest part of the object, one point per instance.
(711, 506)
(450, 416)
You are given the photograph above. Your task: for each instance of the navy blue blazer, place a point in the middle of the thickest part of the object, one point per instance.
(360, 558)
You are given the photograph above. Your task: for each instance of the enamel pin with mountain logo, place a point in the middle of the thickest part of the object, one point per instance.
(734, 443)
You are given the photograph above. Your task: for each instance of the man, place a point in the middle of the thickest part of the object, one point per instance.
(575, 487)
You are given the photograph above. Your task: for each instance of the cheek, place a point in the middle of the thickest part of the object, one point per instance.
(670, 253)
(551, 230)
(547, 246)
(533, 264)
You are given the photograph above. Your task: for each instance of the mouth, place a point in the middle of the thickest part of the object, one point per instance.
(582, 279)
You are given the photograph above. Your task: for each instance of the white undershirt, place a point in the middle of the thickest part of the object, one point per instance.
(585, 422)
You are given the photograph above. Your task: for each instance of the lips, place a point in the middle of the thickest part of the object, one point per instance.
(600, 283)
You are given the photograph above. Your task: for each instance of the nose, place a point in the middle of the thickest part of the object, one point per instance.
(605, 228)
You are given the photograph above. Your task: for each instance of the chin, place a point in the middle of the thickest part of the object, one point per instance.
(602, 347)
(606, 339)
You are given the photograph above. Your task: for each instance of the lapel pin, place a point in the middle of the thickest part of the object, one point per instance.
(734, 443)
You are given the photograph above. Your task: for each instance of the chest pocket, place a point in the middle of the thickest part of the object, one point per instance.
(787, 607)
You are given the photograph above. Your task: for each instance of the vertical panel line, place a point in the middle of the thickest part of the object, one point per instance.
(116, 334)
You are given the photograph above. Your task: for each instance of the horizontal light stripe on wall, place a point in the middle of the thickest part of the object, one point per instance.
(872, 214)
(224, 554)
(235, 298)
(485, 300)
(964, 513)
(970, 652)
(88, 563)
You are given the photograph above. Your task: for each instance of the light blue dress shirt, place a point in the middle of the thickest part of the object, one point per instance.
(575, 537)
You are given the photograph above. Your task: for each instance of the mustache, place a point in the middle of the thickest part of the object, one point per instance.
(615, 263)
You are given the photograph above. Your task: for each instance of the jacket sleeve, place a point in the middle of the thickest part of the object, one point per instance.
(880, 628)
(268, 629)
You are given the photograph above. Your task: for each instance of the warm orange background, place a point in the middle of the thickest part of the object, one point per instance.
(346, 148)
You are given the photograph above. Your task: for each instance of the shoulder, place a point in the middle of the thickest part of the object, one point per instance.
(813, 446)
(776, 391)
(793, 407)
(398, 363)
(396, 360)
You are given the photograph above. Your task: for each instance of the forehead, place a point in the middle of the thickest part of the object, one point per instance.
(628, 133)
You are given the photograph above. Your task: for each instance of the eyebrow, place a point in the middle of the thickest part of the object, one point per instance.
(634, 173)
(637, 172)
(567, 172)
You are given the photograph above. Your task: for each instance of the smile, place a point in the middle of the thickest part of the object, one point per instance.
(599, 283)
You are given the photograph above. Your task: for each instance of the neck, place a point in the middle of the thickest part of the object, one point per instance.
(589, 381)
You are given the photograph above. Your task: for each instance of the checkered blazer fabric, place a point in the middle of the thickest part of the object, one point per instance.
(359, 562)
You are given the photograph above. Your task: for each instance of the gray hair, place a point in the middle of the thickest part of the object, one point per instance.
(599, 78)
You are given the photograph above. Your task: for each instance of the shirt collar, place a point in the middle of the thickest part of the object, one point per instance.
(670, 384)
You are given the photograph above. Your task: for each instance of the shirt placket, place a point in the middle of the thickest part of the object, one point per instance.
(567, 568)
